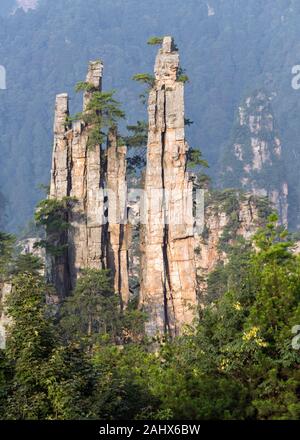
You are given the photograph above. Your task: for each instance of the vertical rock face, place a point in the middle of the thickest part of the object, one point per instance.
(85, 242)
(254, 158)
(168, 272)
(118, 228)
(57, 268)
(59, 186)
(79, 171)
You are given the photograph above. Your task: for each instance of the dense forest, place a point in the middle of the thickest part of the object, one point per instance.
(229, 48)
(91, 361)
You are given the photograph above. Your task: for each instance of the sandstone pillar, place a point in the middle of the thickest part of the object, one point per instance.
(168, 287)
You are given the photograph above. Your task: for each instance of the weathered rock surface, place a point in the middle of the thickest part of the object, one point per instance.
(87, 175)
(168, 290)
(79, 172)
(118, 227)
(228, 215)
(254, 158)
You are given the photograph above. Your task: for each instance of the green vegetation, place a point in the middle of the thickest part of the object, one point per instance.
(102, 113)
(93, 308)
(136, 142)
(91, 361)
(181, 75)
(6, 250)
(155, 41)
(53, 215)
(144, 78)
(195, 159)
(148, 80)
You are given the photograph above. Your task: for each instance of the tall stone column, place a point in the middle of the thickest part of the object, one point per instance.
(168, 287)
(57, 267)
(85, 235)
(59, 186)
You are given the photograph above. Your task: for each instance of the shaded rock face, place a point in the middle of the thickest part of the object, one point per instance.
(228, 215)
(168, 290)
(57, 268)
(118, 228)
(82, 172)
(253, 160)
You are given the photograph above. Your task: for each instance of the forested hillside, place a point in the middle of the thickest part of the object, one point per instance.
(93, 362)
(229, 48)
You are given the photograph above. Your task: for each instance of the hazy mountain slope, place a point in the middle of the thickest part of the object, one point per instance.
(228, 49)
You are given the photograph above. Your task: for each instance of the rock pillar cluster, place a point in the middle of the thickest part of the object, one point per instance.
(83, 171)
(168, 293)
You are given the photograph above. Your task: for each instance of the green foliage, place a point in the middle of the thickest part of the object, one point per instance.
(195, 159)
(155, 41)
(181, 75)
(183, 78)
(137, 141)
(30, 341)
(102, 114)
(83, 86)
(95, 363)
(27, 263)
(44, 379)
(249, 328)
(6, 250)
(138, 136)
(148, 80)
(53, 215)
(144, 78)
(92, 310)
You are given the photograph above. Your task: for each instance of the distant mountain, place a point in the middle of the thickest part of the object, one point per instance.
(253, 159)
(8, 7)
(228, 47)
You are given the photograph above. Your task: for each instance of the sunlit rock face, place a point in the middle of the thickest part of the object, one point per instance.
(168, 291)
